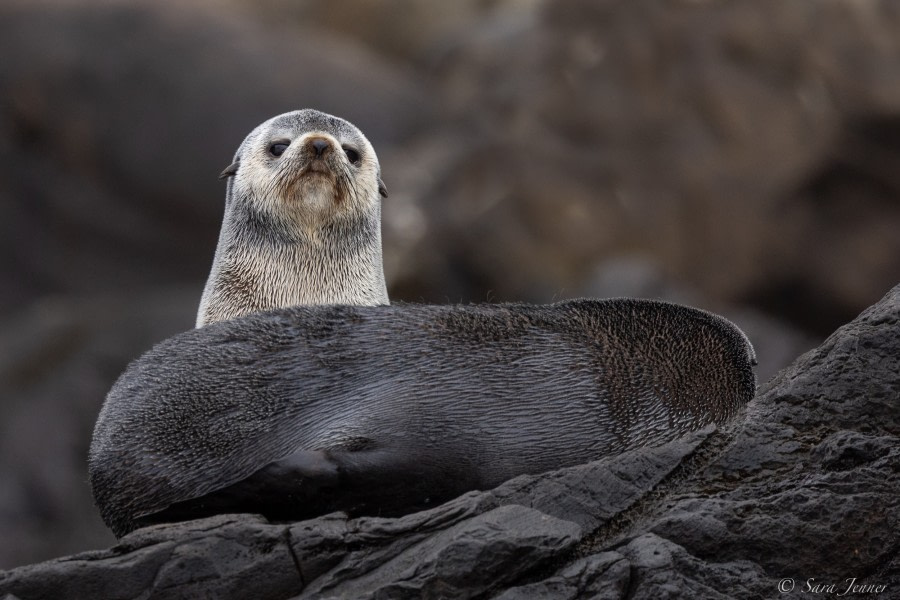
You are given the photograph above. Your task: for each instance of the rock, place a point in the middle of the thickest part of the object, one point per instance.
(504, 543)
(222, 557)
(425, 30)
(756, 168)
(603, 576)
(805, 484)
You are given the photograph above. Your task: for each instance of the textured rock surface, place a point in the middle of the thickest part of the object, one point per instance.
(748, 147)
(806, 484)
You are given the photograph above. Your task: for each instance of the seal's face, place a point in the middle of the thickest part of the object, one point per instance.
(307, 168)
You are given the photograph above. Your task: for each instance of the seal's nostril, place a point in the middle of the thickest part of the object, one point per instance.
(320, 146)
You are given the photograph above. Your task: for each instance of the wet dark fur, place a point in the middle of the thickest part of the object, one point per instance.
(385, 410)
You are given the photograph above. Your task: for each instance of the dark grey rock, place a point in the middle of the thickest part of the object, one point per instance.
(221, 557)
(476, 555)
(603, 576)
(663, 569)
(815, 464)
(846, 450)
(757, 168)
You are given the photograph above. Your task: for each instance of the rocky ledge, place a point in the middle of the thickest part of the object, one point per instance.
(803, 490)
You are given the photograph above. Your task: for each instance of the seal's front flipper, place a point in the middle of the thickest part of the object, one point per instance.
(360, 478)
(390, 478)
(286, 488)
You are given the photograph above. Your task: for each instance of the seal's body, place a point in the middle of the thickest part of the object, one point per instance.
(385, 410)
(302, 220)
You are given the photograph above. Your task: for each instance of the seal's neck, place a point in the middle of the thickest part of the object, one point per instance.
(261, 266)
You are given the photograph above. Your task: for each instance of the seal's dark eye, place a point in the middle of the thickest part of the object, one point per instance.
(278, 148)
(352, 154)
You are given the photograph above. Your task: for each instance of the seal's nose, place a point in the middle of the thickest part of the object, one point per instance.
(319, 145)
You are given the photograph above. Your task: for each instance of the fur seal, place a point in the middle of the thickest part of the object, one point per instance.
(302, 220)
(389, 409)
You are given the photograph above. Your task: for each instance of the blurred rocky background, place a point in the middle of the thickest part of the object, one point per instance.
(742, 156)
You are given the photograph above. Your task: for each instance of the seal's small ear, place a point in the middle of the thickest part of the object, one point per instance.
(381, 189)
(230, 170)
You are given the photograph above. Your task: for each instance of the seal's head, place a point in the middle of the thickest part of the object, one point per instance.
(302, 220)
(306, 168)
